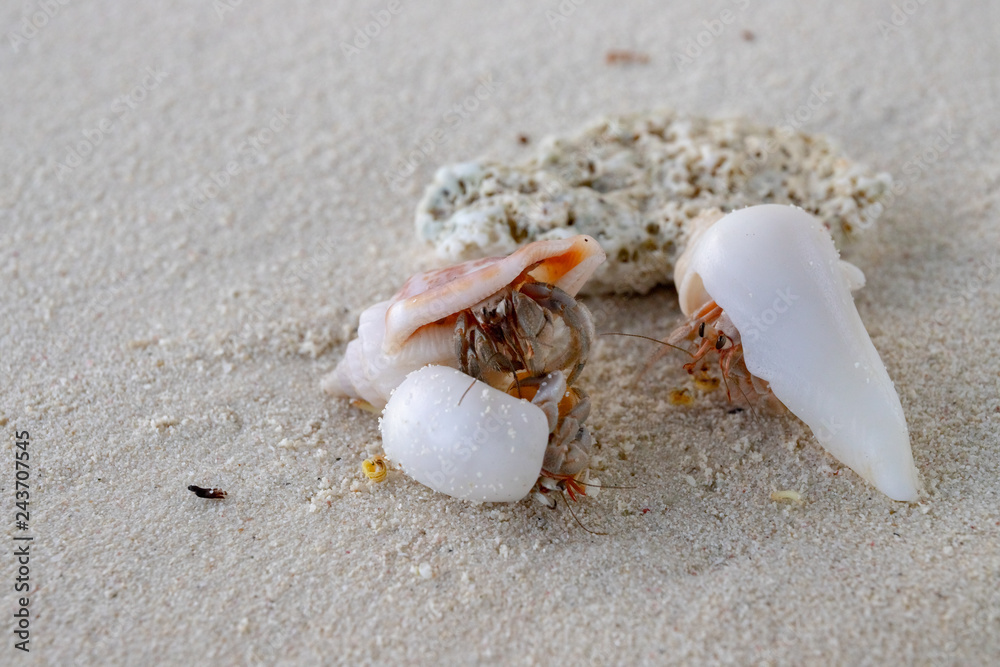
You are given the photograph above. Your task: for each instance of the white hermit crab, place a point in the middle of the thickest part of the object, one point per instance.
(765, 288)
(474, 442)
(508, 323)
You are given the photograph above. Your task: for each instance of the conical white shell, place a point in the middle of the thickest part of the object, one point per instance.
(473, 443)
(775, 272)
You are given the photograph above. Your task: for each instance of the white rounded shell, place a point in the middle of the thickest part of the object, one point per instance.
(775, 272)
(485, 447)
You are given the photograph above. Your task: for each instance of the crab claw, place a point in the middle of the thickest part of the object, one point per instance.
(777, 276)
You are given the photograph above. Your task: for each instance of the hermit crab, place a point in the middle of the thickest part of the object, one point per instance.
(764, 289)
(474, 442)
(490, 317)
(510, 329)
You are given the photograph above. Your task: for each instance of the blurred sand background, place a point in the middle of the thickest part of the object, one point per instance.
(154, 338)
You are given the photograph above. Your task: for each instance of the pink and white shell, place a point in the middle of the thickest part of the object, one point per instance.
(416, 326)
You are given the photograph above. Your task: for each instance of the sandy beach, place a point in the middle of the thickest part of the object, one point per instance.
(197, 200)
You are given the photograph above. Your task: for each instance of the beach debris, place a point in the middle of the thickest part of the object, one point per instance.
(789, 495)
(625, 57)
(375, 468)
(214, 493)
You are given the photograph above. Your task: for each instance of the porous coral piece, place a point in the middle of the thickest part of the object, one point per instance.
(635, 183)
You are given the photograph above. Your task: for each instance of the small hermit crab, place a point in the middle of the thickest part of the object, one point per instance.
(702, 334)
(482, 444)
(489, 317)
(765, 289)
(478, 360)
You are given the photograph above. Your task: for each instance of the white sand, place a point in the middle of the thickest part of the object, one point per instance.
(146, 349)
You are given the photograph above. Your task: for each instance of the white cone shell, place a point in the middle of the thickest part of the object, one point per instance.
(489, 448)
(775, 271)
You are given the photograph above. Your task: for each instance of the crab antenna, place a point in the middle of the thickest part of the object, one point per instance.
(601, 486)
(580, 523)
(745, 397)
(649, 338)
(654, 358)
(471, 385)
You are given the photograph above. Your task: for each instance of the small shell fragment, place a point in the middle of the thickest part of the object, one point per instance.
(375, 469)
(789, 495)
